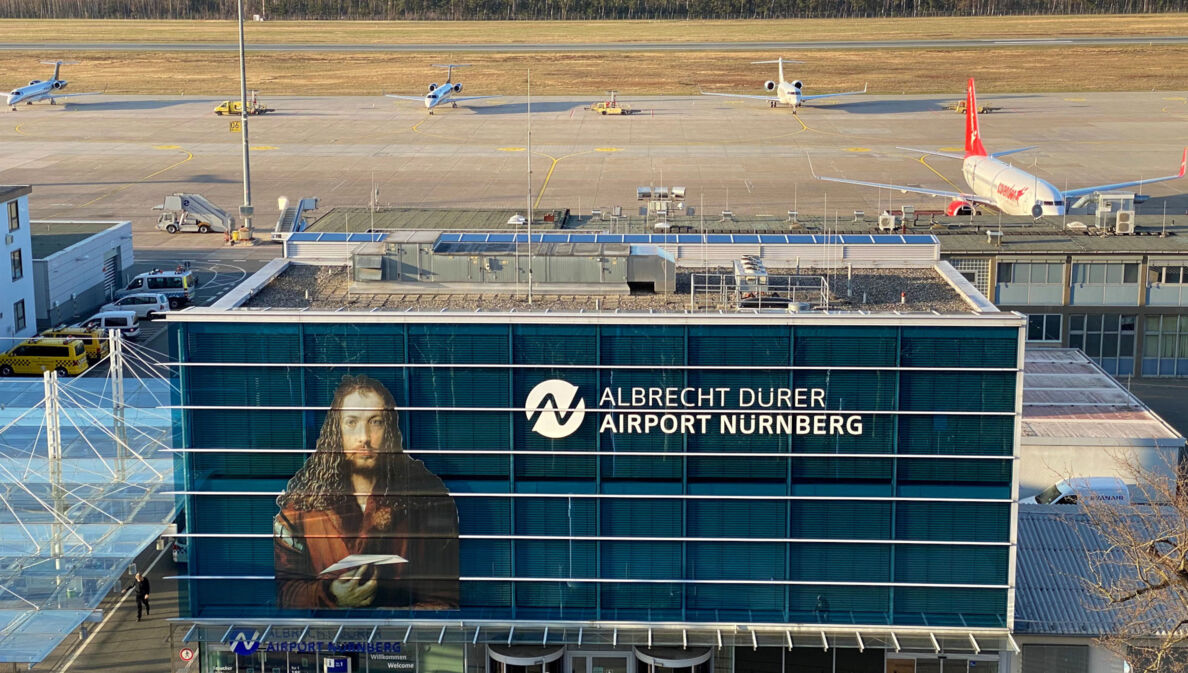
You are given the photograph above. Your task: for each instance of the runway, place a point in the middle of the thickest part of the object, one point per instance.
(596, 47)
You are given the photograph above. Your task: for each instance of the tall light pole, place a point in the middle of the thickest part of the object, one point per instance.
(245, 211)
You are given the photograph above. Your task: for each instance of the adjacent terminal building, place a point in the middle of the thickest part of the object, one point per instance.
(461, 453)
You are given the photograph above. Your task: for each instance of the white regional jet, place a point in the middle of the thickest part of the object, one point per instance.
(787, 93)
(39, 90)
(440, 94)
(1013, 191)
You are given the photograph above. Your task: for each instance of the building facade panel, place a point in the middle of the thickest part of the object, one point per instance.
(853, 474)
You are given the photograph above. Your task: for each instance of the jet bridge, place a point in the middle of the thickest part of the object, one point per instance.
(292, 217)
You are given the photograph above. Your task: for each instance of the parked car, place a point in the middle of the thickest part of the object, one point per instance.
(94, 341)
(35, 356)
(146, 305)
(179, 286)
(1082, 489)
(125, 321)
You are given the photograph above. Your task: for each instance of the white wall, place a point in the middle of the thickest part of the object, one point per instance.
(10, 291)
(70, 281)
(1041, 466)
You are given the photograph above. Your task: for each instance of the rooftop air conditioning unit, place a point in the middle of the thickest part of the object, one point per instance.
(886, 222)
(1125, 222)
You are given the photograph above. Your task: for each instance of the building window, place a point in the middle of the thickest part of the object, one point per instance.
(1105, 273)
(18, 314)
(1055, 658)
(1107, 338)
(1165, 345)
(1043, 327)
(14, 216)
(18, 265)
(1034, 273)
(1167, 275)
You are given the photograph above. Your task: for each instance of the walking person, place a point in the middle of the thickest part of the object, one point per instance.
(142, 595)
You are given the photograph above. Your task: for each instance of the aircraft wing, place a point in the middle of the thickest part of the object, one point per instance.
(950, 155)
(68, 95)
(740, 95)
(416, 98)
(459, 99)
(972, 198)
(831, 95)
(1074, 193)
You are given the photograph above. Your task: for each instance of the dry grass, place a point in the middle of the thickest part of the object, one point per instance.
(439, 32)
(1004, 69)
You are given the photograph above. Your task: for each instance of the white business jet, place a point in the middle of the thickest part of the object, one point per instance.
(43, 90)
(787, 93)
(441, 94)
(1011, 190)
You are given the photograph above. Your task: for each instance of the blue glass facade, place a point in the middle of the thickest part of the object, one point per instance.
(894, 509)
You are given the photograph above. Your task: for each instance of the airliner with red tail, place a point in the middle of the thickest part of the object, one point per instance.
(997, 184)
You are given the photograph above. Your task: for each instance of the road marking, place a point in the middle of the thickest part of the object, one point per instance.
(263, 148)
(926, 165)
(608, 149)
(545, 184)
(18, 130)
(70, 662)
(166, 147)
(952, 149)
(189, 156)
(1177, 98)
(1075, 100)
(857, 149)
(511, 149)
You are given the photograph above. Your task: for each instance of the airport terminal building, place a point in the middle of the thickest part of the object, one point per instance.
(392, 460)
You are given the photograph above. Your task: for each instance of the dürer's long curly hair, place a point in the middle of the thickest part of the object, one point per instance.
(323, 482)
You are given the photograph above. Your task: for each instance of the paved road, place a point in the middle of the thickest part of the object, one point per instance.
(603, 46)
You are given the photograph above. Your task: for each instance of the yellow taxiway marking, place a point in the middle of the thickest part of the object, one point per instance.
(18, 130)
(544, 185)
(1075, 100)
(952, 149)
(1177, 98)
(189, 155)
(857, 149)
(511, 149)
(608, 149)
(263, 148)
(166, 147)
(938, 174)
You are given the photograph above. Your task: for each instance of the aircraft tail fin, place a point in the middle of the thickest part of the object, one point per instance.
(780, 61)
(973, 137)
(57, 69)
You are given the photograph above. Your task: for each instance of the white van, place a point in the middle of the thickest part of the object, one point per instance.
(125, 321)
(178, 286)
(1110, 490)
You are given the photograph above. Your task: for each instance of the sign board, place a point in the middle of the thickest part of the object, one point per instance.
(336, 665)
(237, 126)
(396, 663)
(186, 654)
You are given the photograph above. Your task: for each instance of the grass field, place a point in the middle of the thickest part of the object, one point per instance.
(518, 32)
(683, 73)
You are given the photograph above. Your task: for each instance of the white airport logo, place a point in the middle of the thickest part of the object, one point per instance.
(561, 410)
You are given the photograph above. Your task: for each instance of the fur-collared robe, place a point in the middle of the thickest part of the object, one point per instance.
(416, 519)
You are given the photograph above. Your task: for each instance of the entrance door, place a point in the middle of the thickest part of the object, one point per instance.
(600, 662)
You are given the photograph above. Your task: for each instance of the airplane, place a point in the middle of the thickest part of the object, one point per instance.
(42, 90)
(997, 184)
(787, 93)
(440, 94)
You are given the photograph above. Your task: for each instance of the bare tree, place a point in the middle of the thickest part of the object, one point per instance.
(1138, 563)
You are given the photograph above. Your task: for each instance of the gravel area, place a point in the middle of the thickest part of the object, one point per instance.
(871, 290)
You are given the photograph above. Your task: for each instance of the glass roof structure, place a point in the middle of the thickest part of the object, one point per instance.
(79, 499)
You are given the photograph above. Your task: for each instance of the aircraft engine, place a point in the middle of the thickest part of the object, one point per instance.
(1037, 211)
(458, 87)
(59, 84)
(959, 207)
(797, 85)
(36, 81)
(769, 85)
(432, 88)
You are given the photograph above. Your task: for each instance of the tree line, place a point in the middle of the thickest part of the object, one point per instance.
(396, 10)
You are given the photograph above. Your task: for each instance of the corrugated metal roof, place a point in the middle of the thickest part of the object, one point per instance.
(1066, 395)
(1052, 596)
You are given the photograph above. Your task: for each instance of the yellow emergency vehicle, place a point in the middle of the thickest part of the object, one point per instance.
(35, 356)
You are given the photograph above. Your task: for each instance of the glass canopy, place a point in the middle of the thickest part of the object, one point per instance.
(79, 499)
